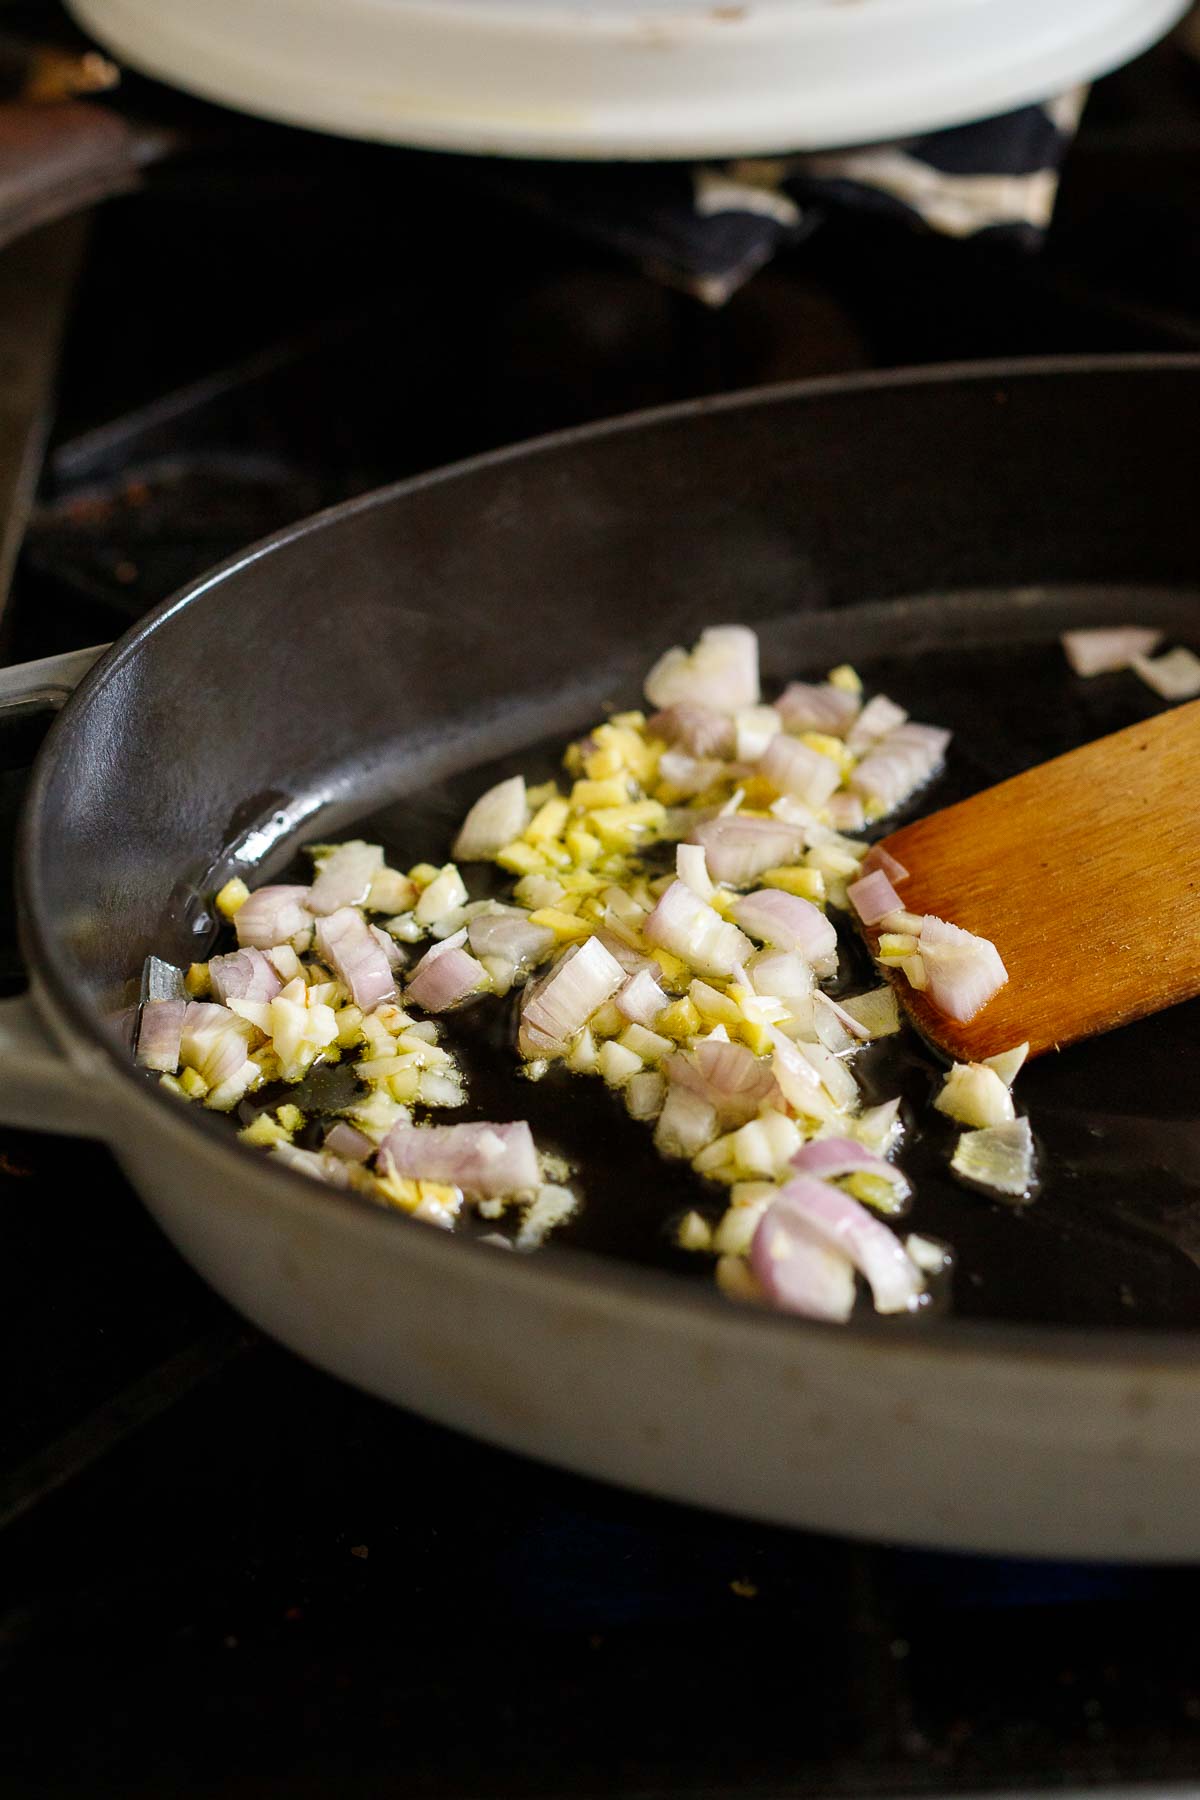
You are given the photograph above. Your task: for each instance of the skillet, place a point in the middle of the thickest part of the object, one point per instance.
(379, 661)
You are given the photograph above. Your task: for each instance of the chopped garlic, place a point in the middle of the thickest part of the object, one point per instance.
(974, 1094)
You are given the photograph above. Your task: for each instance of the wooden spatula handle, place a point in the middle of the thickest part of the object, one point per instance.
(1085, 874)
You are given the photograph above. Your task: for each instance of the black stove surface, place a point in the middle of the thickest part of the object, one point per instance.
(224, 1570)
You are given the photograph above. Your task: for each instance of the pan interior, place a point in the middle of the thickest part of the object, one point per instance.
(1113, 1237)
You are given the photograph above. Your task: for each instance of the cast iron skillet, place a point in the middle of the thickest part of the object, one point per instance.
(939, 529)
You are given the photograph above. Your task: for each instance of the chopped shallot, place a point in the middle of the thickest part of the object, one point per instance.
(1000, 1157)
(496, 818)
(829, 1158)
(962, 972)
(446, 976)
(727, 1076)
(1102, 650)
(789, 922)
(873, 897)
(688, 927)
(721, 672)
(975, 1095)
(345, 877)
(795, 769)
(701, 730)
(562, 1002)
(804, 707)
(838, 1220)
(243, 975)
(491, 1161)
(1176, 676)
(799, 1270)
(346, 943)
(159, 1035)
(736, 849)
(272, 915)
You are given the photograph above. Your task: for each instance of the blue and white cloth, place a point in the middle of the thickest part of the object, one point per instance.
(707, 228)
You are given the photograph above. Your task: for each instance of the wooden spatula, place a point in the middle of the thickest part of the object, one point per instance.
(1085, 874)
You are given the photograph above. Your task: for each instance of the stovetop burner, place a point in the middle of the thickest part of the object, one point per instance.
(224, 1569)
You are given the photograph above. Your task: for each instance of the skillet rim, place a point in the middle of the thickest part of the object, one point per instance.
(567, 1267)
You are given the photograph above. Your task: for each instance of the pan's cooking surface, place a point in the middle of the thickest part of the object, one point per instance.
(1113, 1237)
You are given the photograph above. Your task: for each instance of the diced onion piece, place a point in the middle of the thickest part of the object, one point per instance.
(213, 1041)
(877, 718)
(799, 1082)
(395, 953)
(243, 975)
(1008, 1063)
(755, 727)
(877, 1012)
(688, 927)
(829, 1158)
(732, 1080)
(391, 892)
(690, 775)
(561, 1003)
(1175, 676)
(736, 850)
(1000, 1157)
(344, 1140)
(692, 869)
(781, 975)
(840, 1222)
(975, 1095)
(931, 1256)
(880, 1127)
(833, 1075)
(496, 818)
(795, 769)
(846, 1020)
(446, 976)
(804, 706)
(318, 1165)
(693, 1232)
(685, 1125)
(766, 1145)
(798, 1270)
(159, 1035)
(846, 811)
(640, 999)
(873, 897)
(962, 972)
(701, 730)
(510, 934)
(550, 1207)
(272, 915)
(721, 672)
(879, 858)
(444, 894)
(893, 769)
(645, 1094)
(346, 943)
(345, 876)
(1102, 650)
(789, 922)
(486, 1161)
(902, 922)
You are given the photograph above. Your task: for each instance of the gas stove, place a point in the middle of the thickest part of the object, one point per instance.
(224, 1569)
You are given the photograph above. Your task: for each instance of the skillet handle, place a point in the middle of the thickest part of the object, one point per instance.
(48, 682)
(40, 1087)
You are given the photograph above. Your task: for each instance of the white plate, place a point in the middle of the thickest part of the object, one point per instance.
(630, 78)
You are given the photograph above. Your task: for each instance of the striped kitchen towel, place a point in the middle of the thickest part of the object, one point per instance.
(707, 228)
